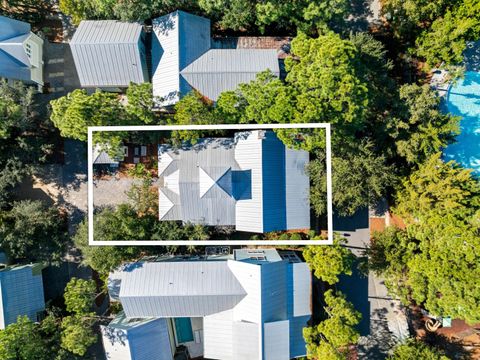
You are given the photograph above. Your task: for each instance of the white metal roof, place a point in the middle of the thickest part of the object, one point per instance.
(176, 289)
(179, 38)
(109, 53)
(220, 70)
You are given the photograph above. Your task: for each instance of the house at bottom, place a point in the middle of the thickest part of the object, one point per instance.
(21, 293)
(21, 52)
(250, 305)
(251, 181)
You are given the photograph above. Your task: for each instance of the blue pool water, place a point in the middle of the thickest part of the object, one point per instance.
(464, 100)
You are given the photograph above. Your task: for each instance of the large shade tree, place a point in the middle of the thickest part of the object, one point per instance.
(435, 260)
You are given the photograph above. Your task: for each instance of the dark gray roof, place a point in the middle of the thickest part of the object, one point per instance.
(109, 53)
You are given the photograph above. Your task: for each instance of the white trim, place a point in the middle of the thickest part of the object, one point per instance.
(328, 149)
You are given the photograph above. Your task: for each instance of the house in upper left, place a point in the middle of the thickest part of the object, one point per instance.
(21, 52)
(175, 54)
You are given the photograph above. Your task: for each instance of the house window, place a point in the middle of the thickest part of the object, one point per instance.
(125, 151)
(136, 151)
(143, 151)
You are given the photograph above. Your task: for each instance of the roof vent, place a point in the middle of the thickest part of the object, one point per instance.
(261, 134)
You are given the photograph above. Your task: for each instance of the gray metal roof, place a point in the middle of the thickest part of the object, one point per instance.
(109, 53)
(220, 70)
(192, 177)
(102, 157)
(176, 289)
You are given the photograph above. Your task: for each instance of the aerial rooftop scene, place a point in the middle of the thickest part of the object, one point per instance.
(239, 180)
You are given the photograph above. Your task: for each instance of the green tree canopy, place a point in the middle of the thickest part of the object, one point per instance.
(416, 349)
(79, 295)
(330, 339)
(359, 179)
(22, 341)
(446, 39)
(420, 129)
(324, 73)
(329, 262)
(77, 334)
(435, 260)
(32, 231)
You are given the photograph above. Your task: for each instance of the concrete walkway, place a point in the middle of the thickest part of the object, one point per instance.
(383, 321)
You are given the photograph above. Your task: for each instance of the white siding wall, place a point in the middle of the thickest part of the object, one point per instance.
(246, 341)
(276, 342)
(302, 291)
(218, 335)
(297, 189)
(249, 213)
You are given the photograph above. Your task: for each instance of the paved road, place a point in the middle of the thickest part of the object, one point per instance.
(383, 321)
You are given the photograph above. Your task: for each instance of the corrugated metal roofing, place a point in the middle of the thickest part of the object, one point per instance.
(247, 306)
(179, 39)
(10, 28)
(220, 70)
(109, 53)
(133, 339)
(198, 195)
(101, 157)
(179, 289)
(297, 189)
(21, 294)
(14, 62)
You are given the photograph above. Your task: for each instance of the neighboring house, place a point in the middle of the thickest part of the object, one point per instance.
(109, 54)
(21, 290)
(175, 55)
(21, 52)
(182, 60)
(252, 181)
(252, 305)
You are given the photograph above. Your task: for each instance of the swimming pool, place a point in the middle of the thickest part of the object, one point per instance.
(463, 100)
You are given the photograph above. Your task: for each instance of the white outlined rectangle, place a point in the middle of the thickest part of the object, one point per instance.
(328, 150)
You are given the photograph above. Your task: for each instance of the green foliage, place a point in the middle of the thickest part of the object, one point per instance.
(22, 341)
(141, 102)
(408, 17)
(329, 262)
(306, 15)
(32, 231)
(79, 296)
(359, 179)
(77, 334)
(139, 171)
(24, 137)
(234, 14)
(446, 39)
(144, 197)
(76, 111)
(103, 259)
(415, 349)
(435, 260)
(330, 339)
(421, 129)
(192, 109)
(323, 72)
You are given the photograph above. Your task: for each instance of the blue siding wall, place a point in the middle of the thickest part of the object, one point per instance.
(274, 198)
(22, 294)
